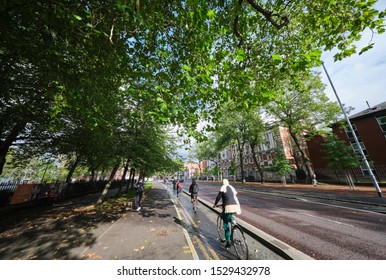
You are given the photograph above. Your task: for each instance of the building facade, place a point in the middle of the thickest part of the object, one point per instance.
(370, 128)
(275, 138)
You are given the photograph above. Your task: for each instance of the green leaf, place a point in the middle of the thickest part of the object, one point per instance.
(240, 55)
(365, 49)
(276, 59)
(211, 14)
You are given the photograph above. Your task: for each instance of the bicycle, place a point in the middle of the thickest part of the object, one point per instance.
(238, 240)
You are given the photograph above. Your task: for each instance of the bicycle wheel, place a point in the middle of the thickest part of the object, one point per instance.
(220, 228)
(239, 242)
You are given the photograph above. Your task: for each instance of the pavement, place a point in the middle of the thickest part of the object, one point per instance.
(153, 233)
(147, 234)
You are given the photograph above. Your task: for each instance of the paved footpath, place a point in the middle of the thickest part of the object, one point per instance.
(153, 233)
(73, 230)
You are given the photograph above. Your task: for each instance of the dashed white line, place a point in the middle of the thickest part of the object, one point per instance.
(329, 220)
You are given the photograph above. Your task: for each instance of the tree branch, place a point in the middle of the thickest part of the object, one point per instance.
(236, 30)
(269, 15)
(112, 30)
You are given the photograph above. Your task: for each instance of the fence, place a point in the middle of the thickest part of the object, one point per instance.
(10, 185)
(357, 174)
(17, 193)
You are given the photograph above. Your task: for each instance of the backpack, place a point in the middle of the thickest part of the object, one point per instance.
(195, 189)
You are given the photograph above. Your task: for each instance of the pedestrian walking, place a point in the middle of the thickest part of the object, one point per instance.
(314, 182)
(193, 189)
(138, 195)
(179, 187)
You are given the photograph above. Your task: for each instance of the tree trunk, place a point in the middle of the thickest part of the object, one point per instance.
(306, 160)
(284, 180)
(123, 179)
(240, 147)
(130, 185)
(257, 163)
(3, 154)
(93, 175)
(349, 180)
(72, 169)
(108, 185)
(6, 144)
(355, 176)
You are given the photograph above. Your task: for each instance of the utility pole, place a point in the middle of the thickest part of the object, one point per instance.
(375, 183)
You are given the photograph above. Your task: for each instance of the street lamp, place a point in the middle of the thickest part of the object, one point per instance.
(375, 183)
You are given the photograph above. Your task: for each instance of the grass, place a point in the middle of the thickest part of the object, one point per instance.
(121, 201)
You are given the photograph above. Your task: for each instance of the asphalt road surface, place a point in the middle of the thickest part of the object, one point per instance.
(321, 229)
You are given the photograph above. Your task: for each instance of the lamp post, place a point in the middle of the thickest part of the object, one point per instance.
(374, 180)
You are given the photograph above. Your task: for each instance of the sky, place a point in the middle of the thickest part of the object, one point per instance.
(359, 78)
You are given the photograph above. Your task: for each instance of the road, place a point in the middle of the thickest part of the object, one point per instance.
(202, 231)
(319, 229)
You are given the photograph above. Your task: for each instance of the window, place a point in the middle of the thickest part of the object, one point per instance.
(382, 122)
(356, 148)
(270, 141)
(349, 133)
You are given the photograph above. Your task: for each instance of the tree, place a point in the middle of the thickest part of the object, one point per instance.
(281, 165)
(305, 110)
(340, 156)
(232, 130)
(254, 137)
(233, 170)
(180, 57)
(241, 127)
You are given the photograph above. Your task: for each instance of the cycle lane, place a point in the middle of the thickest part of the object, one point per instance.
(202, 229)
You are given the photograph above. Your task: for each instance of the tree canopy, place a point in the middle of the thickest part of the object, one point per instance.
(75, 68)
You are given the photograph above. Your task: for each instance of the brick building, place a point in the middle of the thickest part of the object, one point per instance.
(275, 138)
(370, 128)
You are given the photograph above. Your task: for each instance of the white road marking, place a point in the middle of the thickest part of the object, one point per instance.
(329, 220)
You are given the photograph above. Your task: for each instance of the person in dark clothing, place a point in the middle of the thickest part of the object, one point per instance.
(231, 206)
(138, 196)
(193, 189)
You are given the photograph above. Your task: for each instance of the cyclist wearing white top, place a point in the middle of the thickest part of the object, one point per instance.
(231, 206)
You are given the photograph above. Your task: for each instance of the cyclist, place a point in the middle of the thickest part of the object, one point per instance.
(231, 206)
(193, 189)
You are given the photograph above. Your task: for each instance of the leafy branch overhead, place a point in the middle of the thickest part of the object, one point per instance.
(102, 68)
